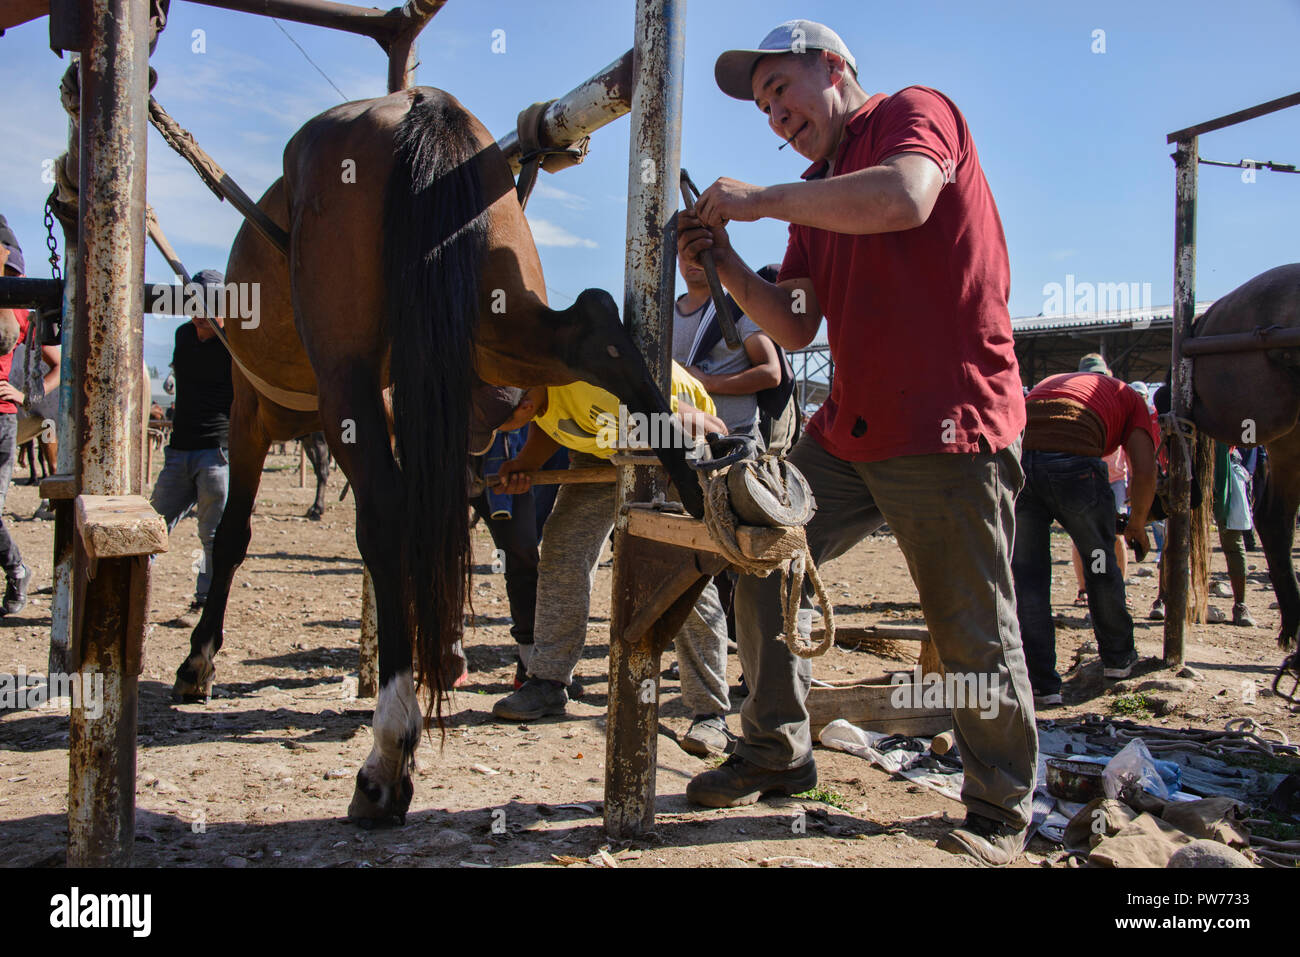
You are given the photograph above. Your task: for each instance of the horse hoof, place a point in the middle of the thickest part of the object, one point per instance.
(190, 688)
(315, 514)
(380, 805)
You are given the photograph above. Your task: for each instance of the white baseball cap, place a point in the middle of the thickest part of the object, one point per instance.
(734, 69)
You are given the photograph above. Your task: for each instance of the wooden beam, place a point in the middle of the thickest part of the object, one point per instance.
(653, 607)
(870, 707)
(693, 534)
(597, 474)
(58, 488)
(117, 526)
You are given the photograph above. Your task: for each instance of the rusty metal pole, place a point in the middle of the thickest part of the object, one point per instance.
(65, 429)
(402, 58)
(653, 170)
(1178, 534)
(109, 629)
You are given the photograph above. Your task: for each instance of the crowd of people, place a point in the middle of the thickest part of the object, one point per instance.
(926, 429)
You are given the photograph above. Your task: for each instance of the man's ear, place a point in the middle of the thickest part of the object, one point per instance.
(836, 67)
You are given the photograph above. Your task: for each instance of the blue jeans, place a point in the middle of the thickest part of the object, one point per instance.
(11, 559)
(198, 478)
(1073, 490)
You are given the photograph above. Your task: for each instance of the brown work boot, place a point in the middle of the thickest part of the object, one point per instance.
(992, 843)
(737, 781)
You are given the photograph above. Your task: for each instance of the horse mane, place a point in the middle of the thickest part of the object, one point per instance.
(435, 238)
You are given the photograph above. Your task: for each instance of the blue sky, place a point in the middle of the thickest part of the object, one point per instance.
(1072, 141)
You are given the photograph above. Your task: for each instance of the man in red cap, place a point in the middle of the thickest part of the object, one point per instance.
(896, 240)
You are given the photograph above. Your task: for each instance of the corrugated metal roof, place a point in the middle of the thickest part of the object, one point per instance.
(1117, 320)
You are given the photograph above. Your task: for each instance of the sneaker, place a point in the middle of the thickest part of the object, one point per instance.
(1048, 701)
(992, 843)
(737, 781)
(575, 689)
(1122, 671)
(1157, 612)
(15, 599)
(537, 698)
(1241, 615)
(708, 735)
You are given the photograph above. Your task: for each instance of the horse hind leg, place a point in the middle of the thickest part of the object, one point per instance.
(384, 786)
(318, 452)
(249, 443)
(1275, 516)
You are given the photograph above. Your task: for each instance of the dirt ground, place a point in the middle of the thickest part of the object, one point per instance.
(262, 775)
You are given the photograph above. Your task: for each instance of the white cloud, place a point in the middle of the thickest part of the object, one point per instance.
(546, 233)
(545, 190)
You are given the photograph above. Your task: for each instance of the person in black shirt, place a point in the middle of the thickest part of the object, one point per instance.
(196, 464)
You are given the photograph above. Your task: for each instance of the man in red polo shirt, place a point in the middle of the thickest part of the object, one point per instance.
(1075, 420)
(13, 329)
(895, 239)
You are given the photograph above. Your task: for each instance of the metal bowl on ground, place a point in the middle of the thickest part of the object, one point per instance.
(1075, 781)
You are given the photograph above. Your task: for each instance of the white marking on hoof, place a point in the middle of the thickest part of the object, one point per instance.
(383, 784)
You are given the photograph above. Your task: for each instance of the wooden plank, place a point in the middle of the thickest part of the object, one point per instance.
(59, 488)
(115, 526)
(869, 706)
(597, 474)
(852, 634)
(693, 534)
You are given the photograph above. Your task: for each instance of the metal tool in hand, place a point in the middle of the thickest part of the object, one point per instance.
(690, 194)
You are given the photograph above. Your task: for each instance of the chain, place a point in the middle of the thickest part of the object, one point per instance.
(52, 243)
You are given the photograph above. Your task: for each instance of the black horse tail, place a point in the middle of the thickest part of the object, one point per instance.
(435, 238)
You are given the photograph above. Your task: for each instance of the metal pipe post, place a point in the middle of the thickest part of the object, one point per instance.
(109, 622)
(1178, 535)
(653, 173)
(597, 101)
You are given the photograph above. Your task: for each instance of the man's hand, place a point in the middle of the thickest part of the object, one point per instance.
(1136, 535)
(697, 422)
(727, 200)
(693, 237)
(10, 394)
(513, 477)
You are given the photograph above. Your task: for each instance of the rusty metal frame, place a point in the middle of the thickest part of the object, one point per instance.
(654, 165)
(1186, 162)
(99, 624)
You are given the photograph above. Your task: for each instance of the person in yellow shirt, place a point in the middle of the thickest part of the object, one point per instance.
(591, 423)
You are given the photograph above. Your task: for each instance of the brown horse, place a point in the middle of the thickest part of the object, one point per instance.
(1246, 398)
(411, 268)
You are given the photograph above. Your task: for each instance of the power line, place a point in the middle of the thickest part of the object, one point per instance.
(572, 299)
(309, 59)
